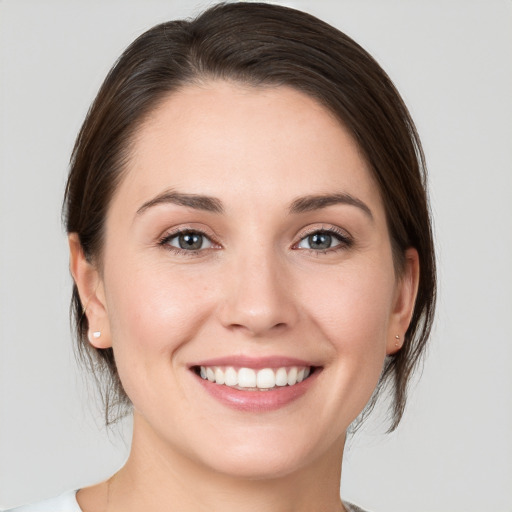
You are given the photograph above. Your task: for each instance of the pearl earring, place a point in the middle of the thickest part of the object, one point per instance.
(397, 339)
(95, 335)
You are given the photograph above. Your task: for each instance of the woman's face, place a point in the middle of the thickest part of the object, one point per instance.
(248, 244)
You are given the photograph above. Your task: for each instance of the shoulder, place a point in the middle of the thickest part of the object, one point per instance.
(350, 507)
(67, 503)
(64, 503)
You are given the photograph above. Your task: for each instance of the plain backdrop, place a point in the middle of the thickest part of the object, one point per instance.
(452, 61)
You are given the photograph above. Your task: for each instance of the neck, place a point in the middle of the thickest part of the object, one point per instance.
(157, 476)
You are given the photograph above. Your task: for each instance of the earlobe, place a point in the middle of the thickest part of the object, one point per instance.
(405, 299)
(90, 288)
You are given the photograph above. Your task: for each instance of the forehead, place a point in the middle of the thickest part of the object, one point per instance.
(222, 138)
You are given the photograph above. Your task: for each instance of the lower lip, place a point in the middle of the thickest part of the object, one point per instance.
(258, 401)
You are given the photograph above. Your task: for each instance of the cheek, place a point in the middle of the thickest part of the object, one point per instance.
(153, 313)
(353, 308)
(347, 311)
(353, 314)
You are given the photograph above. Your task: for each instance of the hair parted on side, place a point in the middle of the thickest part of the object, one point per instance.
(260, 45)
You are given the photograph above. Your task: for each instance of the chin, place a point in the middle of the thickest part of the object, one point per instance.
(263, 455)
(258, 464)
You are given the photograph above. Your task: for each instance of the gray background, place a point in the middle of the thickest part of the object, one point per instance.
(452, 61)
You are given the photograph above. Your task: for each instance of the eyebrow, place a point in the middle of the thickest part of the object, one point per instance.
(212, 204)
(198, 202)
(317, 202)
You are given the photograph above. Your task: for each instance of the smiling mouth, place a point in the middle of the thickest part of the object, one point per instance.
(249, 379)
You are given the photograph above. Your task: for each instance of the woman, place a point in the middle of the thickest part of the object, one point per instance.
(252, 255)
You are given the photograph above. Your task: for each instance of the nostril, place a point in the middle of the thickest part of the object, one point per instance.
(257, 328)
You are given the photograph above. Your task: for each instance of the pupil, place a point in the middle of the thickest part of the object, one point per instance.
(191, 241)
(320, 241)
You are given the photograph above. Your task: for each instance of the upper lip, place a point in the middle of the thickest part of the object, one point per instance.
(242, 361)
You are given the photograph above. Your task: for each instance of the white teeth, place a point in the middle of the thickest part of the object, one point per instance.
(219, 376)
(230, 377)
(281, 377)
(247, 378)
(266, 379)
(292, 376)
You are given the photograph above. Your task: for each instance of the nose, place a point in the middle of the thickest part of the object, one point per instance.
(258, 296)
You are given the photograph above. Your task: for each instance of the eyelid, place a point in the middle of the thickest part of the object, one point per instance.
(205, 240)
(189, 228)
(342, 233)
(192, 228)
(345, 238)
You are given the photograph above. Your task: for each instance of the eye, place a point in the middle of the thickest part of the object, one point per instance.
(323, 240)
(188, 241)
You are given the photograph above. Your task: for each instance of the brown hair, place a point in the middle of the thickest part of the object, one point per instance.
(260, 45)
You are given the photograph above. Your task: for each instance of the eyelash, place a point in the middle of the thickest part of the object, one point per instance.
(165, 241)
(345, 241)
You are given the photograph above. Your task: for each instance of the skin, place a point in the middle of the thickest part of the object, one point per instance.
(258, 289)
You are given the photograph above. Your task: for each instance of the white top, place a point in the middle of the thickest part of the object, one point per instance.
(67, 503)
(64, 503)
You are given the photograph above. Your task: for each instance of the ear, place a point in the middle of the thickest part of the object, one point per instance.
(405, 299)
(92, 294)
